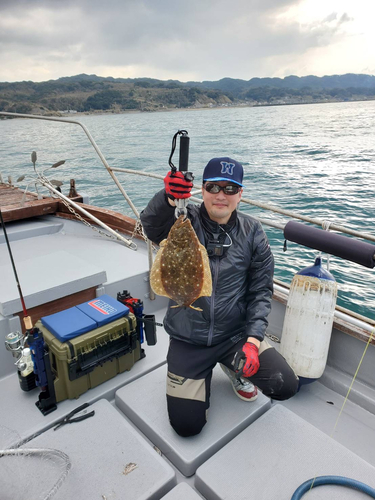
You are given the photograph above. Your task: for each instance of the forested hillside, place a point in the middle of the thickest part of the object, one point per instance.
(90, 93)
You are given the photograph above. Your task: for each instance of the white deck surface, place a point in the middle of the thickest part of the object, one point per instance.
(46, 278)
(144, 402)
(277, 455)
(100, 449)
(78, 240)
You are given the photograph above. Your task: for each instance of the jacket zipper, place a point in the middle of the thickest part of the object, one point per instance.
(212, 308)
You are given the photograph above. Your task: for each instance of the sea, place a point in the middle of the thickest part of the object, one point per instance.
(314, 159)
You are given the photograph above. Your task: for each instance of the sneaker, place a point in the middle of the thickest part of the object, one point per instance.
(244, 389)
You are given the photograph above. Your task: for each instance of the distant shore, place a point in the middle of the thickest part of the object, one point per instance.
(199, 108)
(99, 112)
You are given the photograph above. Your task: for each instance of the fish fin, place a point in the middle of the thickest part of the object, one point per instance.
(195, 308)
(206, 290)
(155, 276)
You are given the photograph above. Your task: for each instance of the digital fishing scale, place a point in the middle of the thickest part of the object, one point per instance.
(182, 167)
(215, 246)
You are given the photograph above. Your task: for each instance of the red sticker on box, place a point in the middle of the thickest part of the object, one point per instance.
(102, 306)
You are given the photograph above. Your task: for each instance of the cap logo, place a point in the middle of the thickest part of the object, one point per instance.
(227, 168)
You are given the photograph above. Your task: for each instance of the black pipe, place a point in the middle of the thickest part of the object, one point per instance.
(341, 246)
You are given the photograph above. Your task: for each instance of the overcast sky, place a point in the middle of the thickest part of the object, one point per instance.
(185, 40)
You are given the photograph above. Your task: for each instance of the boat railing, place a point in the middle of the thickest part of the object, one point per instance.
(265, 206)
(360, 320)
(127, 242)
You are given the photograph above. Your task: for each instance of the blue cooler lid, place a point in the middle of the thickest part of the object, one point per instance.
(68, 324)
(104, 309)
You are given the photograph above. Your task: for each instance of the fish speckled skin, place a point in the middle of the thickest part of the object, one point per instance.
(181, 270)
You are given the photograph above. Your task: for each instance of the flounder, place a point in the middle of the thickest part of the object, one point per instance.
(181, 270)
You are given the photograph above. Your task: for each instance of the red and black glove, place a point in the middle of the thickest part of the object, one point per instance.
(176, 186)
(246, 361)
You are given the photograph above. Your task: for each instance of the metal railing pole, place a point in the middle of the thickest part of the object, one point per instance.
(97, 221)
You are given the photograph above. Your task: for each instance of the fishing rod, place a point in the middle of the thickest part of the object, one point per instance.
(32, 362)
(16, 342)
(26, 318)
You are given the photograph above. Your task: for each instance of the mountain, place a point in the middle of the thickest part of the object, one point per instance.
(92, 93)
(349, 80)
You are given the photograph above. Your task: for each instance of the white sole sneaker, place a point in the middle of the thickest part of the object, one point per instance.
(243, 388)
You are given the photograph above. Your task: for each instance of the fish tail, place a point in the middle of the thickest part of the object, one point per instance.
(196, 308)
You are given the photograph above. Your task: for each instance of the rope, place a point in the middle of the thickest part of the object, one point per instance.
(326, 225)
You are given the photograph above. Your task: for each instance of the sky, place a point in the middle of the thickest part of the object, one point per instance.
(190, 40)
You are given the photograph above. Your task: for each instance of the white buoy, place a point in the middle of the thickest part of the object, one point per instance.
(308, 321)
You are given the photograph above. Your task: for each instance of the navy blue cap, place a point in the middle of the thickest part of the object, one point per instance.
(223, 169)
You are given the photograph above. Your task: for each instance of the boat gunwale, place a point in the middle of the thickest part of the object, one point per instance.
(344, 326)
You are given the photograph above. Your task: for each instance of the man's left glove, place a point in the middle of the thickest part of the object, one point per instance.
(246, 361)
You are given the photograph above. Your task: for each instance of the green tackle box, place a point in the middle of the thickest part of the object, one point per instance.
(91, 358)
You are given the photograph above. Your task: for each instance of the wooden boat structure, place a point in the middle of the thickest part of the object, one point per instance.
(127, 450)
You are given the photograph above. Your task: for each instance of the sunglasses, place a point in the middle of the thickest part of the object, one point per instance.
(215, 188)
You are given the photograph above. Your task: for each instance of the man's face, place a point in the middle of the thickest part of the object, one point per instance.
(220, 205)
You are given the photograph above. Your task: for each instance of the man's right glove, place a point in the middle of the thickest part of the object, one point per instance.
(176, 186)
(246, 361)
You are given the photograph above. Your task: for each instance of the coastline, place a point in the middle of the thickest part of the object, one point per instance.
(72, 113)
(199, 108)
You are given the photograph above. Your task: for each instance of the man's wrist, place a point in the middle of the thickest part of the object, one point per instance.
(169, 200)
(254, 341)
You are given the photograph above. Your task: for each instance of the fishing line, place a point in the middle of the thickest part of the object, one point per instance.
(347, 394)
(355, 376)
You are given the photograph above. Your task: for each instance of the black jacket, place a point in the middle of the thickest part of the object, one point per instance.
(242, 278)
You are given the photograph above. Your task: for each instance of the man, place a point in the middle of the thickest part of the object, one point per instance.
(233, 320)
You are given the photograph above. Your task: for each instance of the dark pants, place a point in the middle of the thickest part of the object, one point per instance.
(189, 379)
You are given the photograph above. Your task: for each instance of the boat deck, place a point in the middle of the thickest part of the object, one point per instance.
(16, 205)
(127, 450)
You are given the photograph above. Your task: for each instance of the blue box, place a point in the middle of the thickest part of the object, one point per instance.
(68, 324)
(71, 323)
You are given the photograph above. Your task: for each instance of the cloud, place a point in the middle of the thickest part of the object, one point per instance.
(42, 39)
